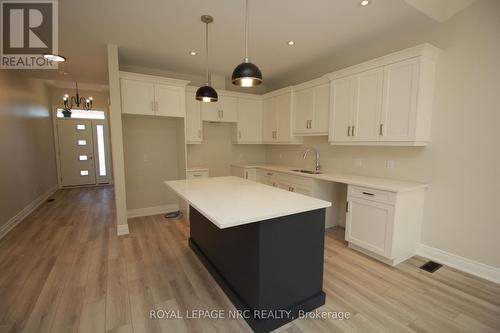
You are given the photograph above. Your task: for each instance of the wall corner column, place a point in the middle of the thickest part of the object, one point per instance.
(115, 121)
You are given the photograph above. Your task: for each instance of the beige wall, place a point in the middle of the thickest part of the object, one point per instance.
(28, 166)
(462, 163)
(217, 151)
(151, 153)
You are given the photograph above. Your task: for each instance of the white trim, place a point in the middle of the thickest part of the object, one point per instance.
(463, 264)
(122, 229)
(312, 83)
(138, 212)
(153, 79)
(20, 216)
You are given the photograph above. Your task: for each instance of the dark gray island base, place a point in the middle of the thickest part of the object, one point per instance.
(275, 264)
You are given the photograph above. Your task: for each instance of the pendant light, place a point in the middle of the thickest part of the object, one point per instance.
(246, 74)
(206, 93)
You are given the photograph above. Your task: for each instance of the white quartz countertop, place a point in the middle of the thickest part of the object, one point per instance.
(232, 201)
(376, 183)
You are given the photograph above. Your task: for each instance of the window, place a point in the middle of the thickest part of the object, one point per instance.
(82, 142)
(83, 157)
(82, 114)
(84, 172)
(80, 126)
(100, 150)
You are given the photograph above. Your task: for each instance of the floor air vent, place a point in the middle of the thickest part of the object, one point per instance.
(431, 266)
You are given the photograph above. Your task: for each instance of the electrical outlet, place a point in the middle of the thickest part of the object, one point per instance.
(358, 163)
(389, 164)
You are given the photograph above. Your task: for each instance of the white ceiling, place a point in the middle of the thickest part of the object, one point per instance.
(160, 33)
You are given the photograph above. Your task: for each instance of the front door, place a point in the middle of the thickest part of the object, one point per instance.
(83, 152)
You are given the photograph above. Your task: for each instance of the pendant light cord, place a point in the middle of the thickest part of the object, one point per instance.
(206, 58)
(246, 30)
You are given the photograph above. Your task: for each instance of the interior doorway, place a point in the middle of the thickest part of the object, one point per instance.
(83, 148)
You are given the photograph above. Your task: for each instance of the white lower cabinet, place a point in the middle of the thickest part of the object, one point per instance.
(194, 127)
(193, 174)
(244, 172)
(384, 225)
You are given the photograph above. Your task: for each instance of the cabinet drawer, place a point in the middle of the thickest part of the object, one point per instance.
(297, 180)
(196, 174)
(371, 194)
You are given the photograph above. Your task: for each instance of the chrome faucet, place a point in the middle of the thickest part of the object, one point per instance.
(317, 167)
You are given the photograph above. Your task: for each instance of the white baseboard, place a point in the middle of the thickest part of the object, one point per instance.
(19, 217)
(463, 264)
(122, 229)
(152, 210)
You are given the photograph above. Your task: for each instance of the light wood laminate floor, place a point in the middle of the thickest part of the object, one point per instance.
(64, 269)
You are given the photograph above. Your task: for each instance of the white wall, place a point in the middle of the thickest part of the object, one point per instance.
(28, 165)
(217, 151)
(462, 163)
(151, 152)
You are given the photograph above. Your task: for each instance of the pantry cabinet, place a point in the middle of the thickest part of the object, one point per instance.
(194, 128)
(277, 118)
(386, 101)
(311, 102)
(224, 110)
(152, 95)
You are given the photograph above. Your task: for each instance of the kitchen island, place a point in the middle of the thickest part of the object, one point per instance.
(263, 245)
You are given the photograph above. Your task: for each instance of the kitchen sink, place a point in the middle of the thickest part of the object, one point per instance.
(308, 171)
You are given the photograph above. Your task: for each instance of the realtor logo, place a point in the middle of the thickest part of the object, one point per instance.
(28, 30)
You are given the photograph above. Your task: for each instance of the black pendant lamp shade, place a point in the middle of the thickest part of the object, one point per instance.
(206, 93)
(246, 74)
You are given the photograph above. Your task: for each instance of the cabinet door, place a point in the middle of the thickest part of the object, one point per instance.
(342, 97)
(169, 100)
(269, 119)
(321, 109)
(284, 117)
(369, 225)
(250, 174)
(303, 103)
(193, 120)
(399, 104)
(211, 111)
(367, 105)
(249, 128)
(229, 109)
(137, 97)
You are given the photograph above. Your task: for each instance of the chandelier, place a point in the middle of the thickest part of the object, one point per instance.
(76, 101)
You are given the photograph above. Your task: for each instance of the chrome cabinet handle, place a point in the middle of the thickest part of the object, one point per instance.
(381, 130)
(348, 130)
(368, 193)
(352, 131)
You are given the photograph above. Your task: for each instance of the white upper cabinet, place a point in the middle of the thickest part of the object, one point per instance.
(137, 97)
(311, 102)
(386, 101)
(277, 118)
(269, 119)
(224, 110)
(194, 129)
(152, 95)
(249, 125)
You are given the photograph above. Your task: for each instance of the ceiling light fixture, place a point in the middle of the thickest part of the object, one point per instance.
(364, 3)
(86, 103)
(246, 74)
(193, 53)
(206, 93)
(54, 57)
(290, 43)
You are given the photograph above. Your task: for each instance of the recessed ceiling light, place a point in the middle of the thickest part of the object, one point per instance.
(364, 2)
(290, 42)
(54, 57)
(193, 53)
